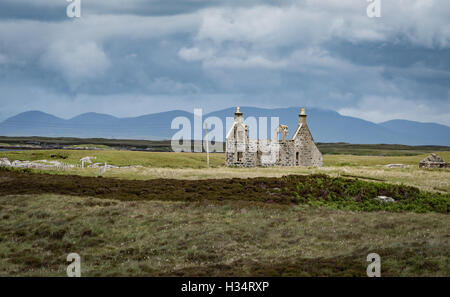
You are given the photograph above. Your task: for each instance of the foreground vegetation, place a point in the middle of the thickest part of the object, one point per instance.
(175, 217)
(206, 238)
(316, 190)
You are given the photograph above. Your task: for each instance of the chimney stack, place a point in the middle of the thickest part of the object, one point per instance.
(238, 115)
(302, 117)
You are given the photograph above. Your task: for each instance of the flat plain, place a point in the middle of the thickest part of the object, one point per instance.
(268, 222)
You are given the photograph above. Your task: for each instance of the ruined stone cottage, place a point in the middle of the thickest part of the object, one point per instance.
(241, 151)
(433, 161)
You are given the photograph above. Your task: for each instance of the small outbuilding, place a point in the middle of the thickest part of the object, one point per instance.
(433, 161)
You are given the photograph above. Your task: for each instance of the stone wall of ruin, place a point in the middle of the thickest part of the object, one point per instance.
(272, 153)
(252, 153)
(309, 154)
(434, 165)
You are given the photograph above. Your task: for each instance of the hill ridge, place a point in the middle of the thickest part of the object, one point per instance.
(326, 126)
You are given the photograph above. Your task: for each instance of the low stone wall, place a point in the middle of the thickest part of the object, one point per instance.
(273, 154)
(434, 165)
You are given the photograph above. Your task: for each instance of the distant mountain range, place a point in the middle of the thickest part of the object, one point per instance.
(325, 125)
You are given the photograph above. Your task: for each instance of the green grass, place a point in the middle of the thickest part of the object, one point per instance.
(358, 195)
(378, 149)
(193, 160)
(121, 158)
(154, 238)
(352, 160)
(90, 145)
(133, 223)
(179, 218)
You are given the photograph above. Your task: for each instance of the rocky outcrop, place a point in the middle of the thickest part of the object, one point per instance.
(56, 165)
(39, 164)
(5, 162)
(385, 199)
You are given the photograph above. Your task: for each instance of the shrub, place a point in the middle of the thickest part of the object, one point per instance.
(354, 194)
(15, 169)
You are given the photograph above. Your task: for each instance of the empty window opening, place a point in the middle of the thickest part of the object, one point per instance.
(239, 156)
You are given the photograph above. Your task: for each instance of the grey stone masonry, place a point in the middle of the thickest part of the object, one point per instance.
(240, 151)
(433, 161)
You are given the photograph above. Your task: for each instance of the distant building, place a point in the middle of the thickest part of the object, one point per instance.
(298, 151)
(433, 161)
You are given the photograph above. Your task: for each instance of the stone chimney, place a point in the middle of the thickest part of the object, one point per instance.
(238, 116)
(302, 117)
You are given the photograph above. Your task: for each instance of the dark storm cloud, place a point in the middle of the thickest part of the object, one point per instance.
(32, 10)
(133, 57)
(54, 10)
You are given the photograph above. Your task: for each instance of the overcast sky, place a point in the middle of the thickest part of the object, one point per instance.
(134, 57)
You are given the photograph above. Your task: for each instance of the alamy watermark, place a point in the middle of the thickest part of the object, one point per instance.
(74, 268)
(374, 9)
(73, 9)
(254, 134)
(374, 268)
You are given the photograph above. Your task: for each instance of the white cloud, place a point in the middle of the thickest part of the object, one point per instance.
(76, 61)
(247, 62)
(30, 37)
(75, 47)
(424, 23)
(195, 54)
(252, 37)
(269, 27)
(244, 49)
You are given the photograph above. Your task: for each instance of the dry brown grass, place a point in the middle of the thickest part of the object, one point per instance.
(222, 238)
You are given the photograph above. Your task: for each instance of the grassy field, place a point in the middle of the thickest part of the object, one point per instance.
(153, 238)
(165, 145)
(195, 160)
(193, 166)
(89, 145)
(377, 149)
(120, 158)
(174, 217)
